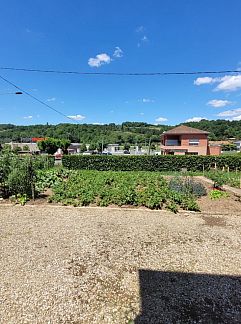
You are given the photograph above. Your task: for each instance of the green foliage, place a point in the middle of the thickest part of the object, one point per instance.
(187, 186)
(50, 145)
(26, 148)
(22, 199)
(50, 178)
(19, 199)
(229, 147)
(17, 174)
(150, 163)
(221, 177)
(217, 194)
(16, 149)
(148, 189)
(128, 132)
(83, 148)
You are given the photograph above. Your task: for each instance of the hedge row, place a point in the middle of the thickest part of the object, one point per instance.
(150, 163)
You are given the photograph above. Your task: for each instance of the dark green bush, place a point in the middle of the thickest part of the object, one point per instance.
(150, 163)
(187, 186)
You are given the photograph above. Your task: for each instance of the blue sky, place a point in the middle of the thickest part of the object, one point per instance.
(121, 36)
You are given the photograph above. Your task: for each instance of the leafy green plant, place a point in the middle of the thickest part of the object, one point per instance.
(82, 188)
(187, 186)
(221, 177)
(217, 194)
(18, 173)
(22, 199)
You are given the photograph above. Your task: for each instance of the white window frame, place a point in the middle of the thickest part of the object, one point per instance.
(194, 142)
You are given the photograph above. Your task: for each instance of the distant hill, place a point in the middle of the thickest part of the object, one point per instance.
(128, 132)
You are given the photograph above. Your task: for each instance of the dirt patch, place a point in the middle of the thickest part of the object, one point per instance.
(214, 221)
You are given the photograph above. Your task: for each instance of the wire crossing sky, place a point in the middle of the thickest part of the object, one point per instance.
(160, 62)
(120, 74)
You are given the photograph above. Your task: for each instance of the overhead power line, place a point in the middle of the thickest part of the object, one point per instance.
(36, 99)
(119, 73)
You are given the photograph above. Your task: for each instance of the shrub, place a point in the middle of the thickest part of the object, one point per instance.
(150, 163)
(187, 186)
(17, 174)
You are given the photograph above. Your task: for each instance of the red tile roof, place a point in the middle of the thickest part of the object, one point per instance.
(182, 129)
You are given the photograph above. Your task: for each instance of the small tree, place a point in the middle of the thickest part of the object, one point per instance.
(16, 149)
(50, 145)
(92, 146)
(83, 148)
(127, 146)
(26, 148)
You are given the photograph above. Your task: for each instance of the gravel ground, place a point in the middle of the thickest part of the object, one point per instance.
(92, 265)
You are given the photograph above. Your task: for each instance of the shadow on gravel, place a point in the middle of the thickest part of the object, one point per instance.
(175, 297)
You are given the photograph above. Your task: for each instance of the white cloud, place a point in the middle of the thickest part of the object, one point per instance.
(77, 117)
(229, 83)
(118, 52)
(140, 29)
(142, 114)
(51, 99)
(230, 113)
(99, 60)
(226, 83)
(147, 100)
(28, 117)
(161, 119)
(218, 103)
(204, 80)
(195, 119)
(237, 117)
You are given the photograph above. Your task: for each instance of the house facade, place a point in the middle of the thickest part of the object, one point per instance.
(184, 140)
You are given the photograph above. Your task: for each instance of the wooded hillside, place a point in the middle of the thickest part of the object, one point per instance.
(128, 132)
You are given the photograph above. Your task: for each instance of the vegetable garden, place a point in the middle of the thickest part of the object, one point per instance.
(24, 178)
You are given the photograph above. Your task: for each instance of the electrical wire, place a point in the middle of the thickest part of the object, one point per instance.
(38, 100)
(119, 73)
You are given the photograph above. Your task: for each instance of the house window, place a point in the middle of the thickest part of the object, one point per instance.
(194, 142)
(172, 142)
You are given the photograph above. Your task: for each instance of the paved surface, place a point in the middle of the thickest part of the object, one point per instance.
(69, 265)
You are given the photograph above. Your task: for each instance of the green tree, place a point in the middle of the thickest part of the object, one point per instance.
(92, 146)
(16, 149)
(127, 146)
(83, 148)
(50, 145)
(26, 148)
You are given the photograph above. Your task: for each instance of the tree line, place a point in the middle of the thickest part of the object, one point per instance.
(127, 133)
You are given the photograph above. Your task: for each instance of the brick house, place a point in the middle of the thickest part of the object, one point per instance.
(184, 140)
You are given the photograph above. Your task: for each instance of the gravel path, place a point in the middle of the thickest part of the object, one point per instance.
(70, 265)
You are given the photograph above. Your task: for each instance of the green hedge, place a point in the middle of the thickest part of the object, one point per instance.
(150, 163)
